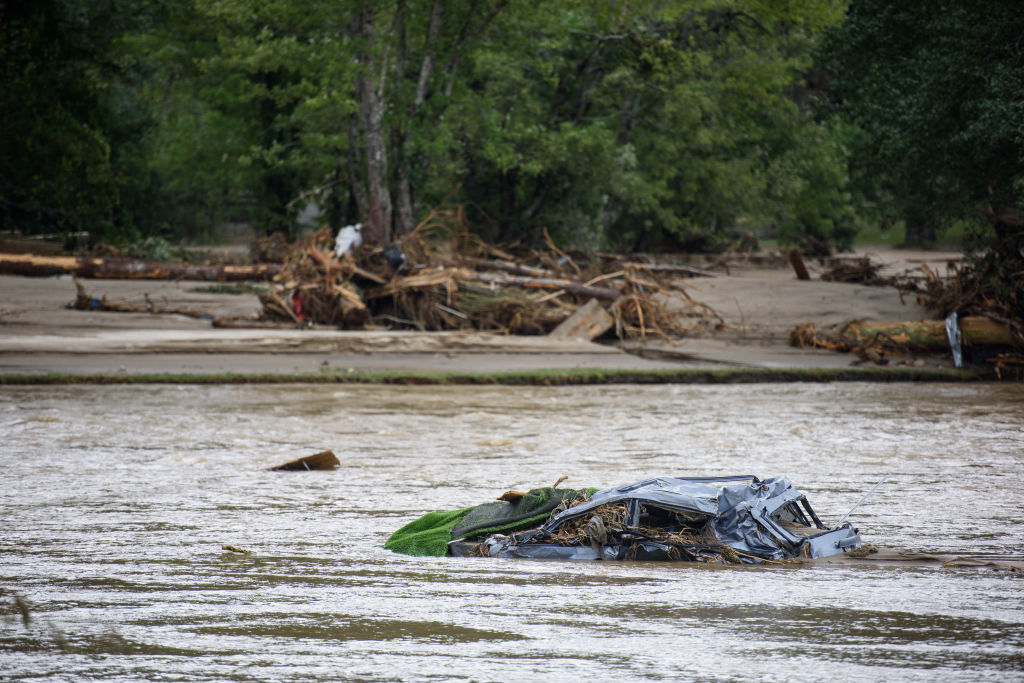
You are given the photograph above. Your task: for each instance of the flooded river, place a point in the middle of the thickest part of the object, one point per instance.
(115, 502)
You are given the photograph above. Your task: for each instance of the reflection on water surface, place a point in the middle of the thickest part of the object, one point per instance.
(116, 501)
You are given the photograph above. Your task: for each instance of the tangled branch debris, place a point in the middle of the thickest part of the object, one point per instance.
(689, 540)
(441, 277)
(986, 292)
(859, 270)
(991, 286)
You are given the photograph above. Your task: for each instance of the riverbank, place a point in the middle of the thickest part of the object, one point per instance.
(41, 338)
(521, 378)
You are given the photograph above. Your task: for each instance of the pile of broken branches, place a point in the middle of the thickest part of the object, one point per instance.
(440, 277)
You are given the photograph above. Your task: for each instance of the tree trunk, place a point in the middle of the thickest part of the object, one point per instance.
(377, 228)
(930, 335)
(355, 167)
(405, 221)
(920, 229)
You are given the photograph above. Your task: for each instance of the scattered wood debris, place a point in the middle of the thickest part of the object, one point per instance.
(986, 292)
(271, 248)
(442, 278)
(859, 270)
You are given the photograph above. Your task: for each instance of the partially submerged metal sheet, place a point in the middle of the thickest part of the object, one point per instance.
(758, 520)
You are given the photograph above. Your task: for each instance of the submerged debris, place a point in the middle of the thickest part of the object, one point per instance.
(324, 460)
(236, 549)
(724, 520)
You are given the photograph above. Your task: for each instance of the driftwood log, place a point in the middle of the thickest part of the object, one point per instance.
(84, 302)
(506, 267)
(130, 269)
(930, 335)
(575, 288)
(673, 269)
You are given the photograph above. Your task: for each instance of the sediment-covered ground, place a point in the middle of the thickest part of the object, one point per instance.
(759, 304)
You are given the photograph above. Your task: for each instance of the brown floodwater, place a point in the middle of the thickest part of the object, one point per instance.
(115, 501)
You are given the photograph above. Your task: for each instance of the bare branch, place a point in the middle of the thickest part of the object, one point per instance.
(427, 68)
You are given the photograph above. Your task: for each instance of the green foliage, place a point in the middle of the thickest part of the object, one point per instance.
(632, 125)
(937, 91)
(644, 125)
(55, 160)
(152, 248)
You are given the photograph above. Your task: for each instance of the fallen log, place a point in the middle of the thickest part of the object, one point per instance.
(84, 302)
(575, 288)
(506, 267)
(673, 269)
(930, 335)
(31, 265)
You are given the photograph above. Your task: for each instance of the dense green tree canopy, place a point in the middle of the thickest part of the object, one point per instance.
(937, 90)
(623, 124)
(609, 124)
(69, 155)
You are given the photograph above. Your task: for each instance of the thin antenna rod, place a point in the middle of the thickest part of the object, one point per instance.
(865, 497)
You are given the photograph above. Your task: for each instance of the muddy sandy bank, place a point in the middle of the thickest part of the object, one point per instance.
(759, 306)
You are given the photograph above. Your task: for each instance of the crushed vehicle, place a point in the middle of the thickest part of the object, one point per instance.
(730, 520)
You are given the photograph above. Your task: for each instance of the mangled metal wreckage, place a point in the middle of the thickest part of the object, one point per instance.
(740, 519)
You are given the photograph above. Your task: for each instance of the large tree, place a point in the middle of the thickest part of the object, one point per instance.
(644, 123)
(356, 92)
(611, 123)
(937, 90)
(70, 155)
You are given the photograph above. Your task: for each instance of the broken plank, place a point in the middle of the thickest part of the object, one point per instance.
(589, 322)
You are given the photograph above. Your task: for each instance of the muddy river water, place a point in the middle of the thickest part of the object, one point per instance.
(115, 502)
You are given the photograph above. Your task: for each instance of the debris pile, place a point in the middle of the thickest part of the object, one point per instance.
(990, 287)
(440, 278)
(859, 270)
(685, 540)
(986, 294)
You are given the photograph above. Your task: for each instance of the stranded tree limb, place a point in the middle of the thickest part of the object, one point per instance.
(130, 269)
